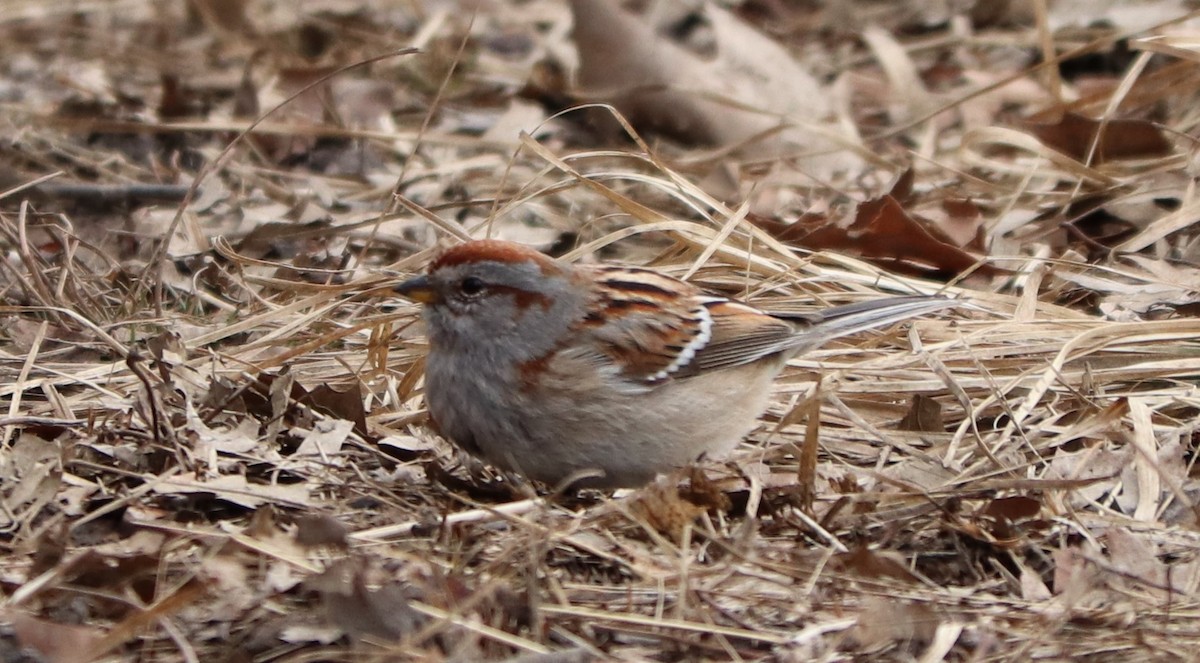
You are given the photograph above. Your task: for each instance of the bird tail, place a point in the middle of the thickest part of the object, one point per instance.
(839, 321)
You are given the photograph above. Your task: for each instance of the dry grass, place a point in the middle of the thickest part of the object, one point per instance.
(214, 445)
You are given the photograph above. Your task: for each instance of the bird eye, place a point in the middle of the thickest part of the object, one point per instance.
(471, 286)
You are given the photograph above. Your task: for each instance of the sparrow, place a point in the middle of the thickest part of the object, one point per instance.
(604, 375)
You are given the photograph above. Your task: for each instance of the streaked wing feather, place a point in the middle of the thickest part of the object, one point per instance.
(643, 324)
(652, 327)
(741, 335)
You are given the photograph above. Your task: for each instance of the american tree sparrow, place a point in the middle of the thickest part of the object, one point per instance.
(604, 374)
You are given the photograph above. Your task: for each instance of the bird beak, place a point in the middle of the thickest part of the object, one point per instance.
(418, 289)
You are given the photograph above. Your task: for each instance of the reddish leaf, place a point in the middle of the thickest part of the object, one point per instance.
(902, 190)
(961, 208)
(1017, 507)
(1121, 139)
(53, 642)
(885, 231)
(866, 563)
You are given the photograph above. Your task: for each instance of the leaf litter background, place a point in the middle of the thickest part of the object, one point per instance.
(213, 436)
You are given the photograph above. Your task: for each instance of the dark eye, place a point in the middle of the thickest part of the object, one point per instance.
(471, 286)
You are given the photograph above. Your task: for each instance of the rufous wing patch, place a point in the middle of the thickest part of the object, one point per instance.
(649, 324)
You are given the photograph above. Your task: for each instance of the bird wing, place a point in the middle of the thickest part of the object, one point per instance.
(650, 328)
(741, 334)
(647, 324)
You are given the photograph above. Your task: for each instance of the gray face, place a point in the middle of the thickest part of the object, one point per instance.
(485, 302)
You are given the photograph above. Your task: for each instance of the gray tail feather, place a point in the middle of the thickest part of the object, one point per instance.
(849, 319)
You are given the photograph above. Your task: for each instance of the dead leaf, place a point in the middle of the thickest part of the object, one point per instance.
(228, 15)
(341, 403)
(1136, 557)
(1033, 588)
(325, 439)
(237, 489)
(884, 622)
(321, 530)
(279, 399)
(703, 492)
(867, 563)
(32, 473)
(229, 578)
(1102, 466)
(53, 642)
(750, 97)
(1004, 522)
(205, 439)
(1013, 509)
(360, 611)
(661, 507)
(408, 447)
(884, 231)
(960, 220)
(924, 415)
(1119, 139)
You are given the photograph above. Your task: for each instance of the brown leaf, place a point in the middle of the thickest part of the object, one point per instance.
(661, 507)
(174, 102)
(346, 404)
(65, 643)
(53, 642)
(98, 570)
(306, 106)
(229, 15)
(1119, 139)
(924, 416)
(131, 625)
(1005, 520)
(360, 611)
(885, 621)
(1136, 556)
(1014, 508)
(33, 479)
(235, 488)
(704, 492)
(961, 208)
(320, 530)
(902, 189)
(884, 231)
(867, 563)
(1072, 574)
